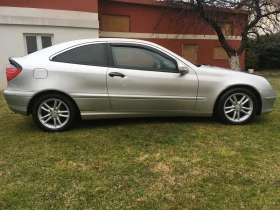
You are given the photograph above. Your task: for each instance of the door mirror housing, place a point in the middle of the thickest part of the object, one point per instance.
(183, 69)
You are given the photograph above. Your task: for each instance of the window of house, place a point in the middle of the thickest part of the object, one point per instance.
(92, 54)
(220, 53)
(115, 23)
(141, 59)
(227, 29)
(190, 52)
(37, 42)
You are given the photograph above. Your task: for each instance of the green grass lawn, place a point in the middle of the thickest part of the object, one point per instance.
(165, 163)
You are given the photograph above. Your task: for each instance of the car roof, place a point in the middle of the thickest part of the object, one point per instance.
(108, 40)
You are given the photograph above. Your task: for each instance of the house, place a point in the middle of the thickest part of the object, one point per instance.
(30, 25)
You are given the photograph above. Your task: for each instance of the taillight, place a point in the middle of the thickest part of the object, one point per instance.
(12, 72)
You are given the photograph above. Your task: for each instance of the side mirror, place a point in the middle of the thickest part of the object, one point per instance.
(183, 69)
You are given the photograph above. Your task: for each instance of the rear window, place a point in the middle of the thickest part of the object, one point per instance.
(93, 54)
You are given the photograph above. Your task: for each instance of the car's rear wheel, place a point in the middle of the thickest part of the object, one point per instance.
(237, 106)
(54, 112)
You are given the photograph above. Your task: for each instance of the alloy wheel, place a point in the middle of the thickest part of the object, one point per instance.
(53, 113)
(238, 107)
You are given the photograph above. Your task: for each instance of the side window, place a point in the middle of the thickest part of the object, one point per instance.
(140, 58)
(31, 44)
(92, 54)
(34, 42)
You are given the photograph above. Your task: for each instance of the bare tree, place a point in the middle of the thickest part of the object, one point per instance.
(246, 17)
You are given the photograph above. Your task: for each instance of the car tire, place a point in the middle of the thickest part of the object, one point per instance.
(237, 106)
(54, 112)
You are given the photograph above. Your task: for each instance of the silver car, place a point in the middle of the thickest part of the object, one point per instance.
(120, 78)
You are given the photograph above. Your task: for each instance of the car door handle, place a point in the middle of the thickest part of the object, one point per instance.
(116, 74)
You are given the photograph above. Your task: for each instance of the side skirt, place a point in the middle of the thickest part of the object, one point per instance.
(86, 115)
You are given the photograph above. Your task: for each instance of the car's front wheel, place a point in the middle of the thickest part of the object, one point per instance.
(237, 106)
(54, 112)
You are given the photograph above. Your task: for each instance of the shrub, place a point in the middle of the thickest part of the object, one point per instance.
(263, 53)
(251, 60)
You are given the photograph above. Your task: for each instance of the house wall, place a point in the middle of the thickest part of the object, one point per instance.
(63, 25)
(72, 5)
(143, 19)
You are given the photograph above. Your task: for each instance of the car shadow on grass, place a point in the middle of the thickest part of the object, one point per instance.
(141, 121)
(207, 121)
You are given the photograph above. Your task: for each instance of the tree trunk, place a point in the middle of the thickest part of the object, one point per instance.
(234, 63)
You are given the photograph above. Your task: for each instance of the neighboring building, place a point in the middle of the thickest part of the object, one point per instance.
(26, 26)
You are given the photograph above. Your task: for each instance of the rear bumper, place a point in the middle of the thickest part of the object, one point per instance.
(18, 100)
(268, 98)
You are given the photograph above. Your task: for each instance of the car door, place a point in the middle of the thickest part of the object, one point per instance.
(143, 78)
(81, 72)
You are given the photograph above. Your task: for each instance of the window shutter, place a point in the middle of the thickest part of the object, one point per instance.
(220, 53)
(190, 53)
(115, 23)
(227, 29)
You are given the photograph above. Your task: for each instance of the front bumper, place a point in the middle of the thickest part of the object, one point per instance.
(268, 98)
(18, 100)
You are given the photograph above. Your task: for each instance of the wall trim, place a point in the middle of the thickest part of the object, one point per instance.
(162, 36)
(48, 17)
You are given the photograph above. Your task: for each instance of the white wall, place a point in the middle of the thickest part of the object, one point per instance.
(63, 25)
